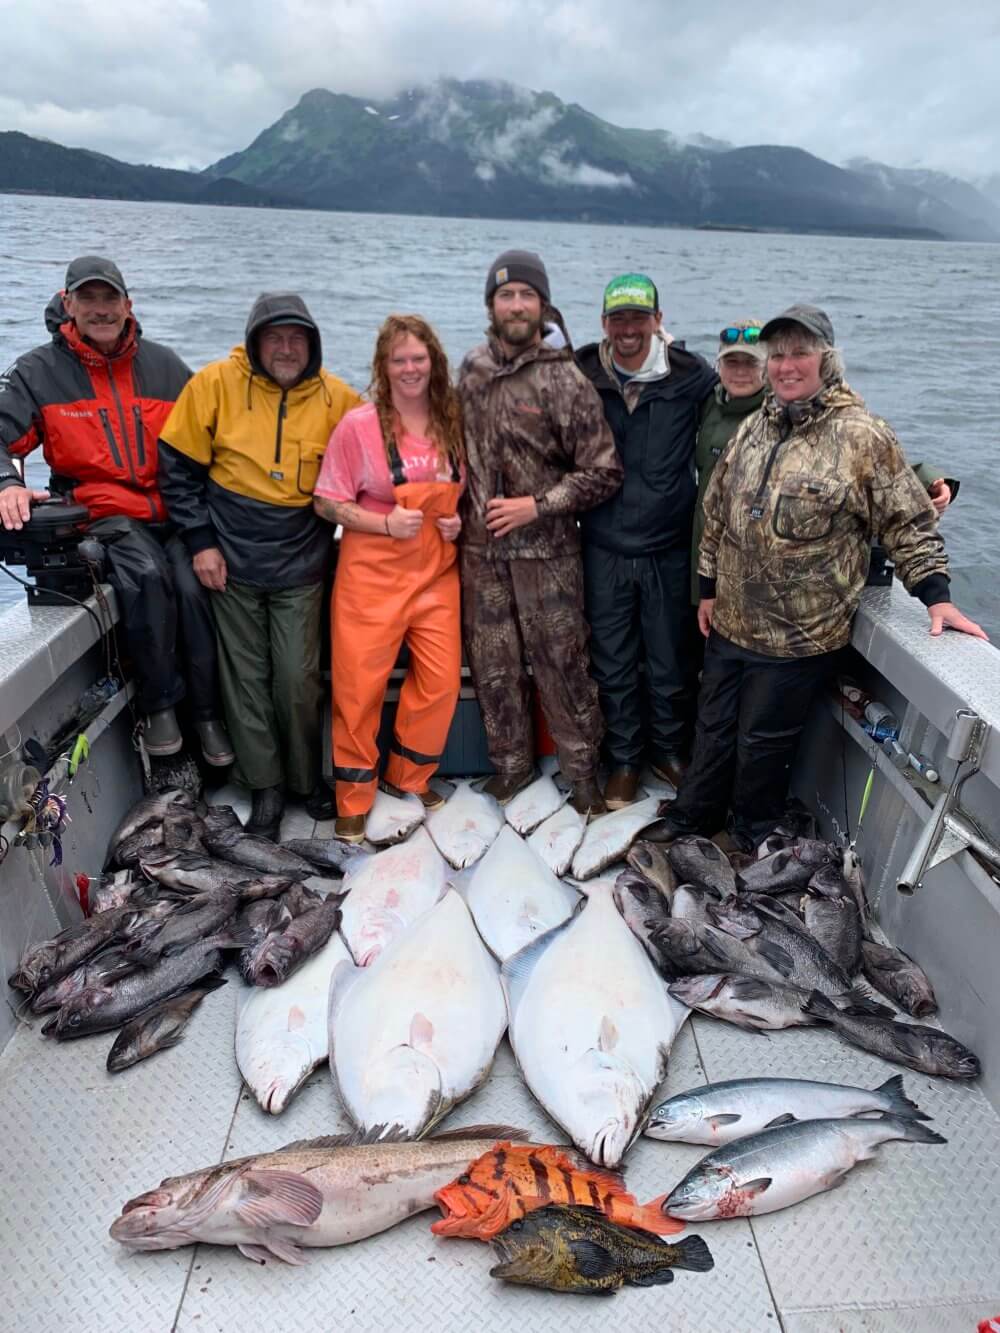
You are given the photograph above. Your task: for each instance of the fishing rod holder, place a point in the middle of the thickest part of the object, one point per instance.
(949, 830)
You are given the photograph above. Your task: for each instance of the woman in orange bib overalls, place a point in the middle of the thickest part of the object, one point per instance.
(392, 476)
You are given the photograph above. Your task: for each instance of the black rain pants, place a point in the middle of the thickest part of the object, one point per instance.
(166, 616)
(751, 711)
(639, 609)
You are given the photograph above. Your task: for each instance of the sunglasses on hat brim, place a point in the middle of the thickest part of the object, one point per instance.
(732, 336)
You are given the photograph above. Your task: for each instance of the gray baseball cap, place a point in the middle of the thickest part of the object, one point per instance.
(809, 316)
(93, 268)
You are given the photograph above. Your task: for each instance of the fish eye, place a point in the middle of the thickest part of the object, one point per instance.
(516, 1225)
(464, 1179)
(74, 1019)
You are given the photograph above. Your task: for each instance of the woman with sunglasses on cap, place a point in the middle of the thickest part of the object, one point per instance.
(790, 513)
(392, 478)
(740, 362)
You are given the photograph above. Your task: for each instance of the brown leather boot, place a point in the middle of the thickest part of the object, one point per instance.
(503, 787)
(622, 788)
(669, 768)
(586, 799)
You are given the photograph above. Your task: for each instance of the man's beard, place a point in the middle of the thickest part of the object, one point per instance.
(524, 333)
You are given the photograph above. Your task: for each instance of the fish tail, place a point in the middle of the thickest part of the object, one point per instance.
(899, 1103)
(694, 1254)
(915, 1132)
(643, 1216)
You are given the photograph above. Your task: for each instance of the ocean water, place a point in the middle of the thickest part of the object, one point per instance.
(919, 322)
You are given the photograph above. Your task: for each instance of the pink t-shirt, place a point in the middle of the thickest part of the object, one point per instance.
(355, 467)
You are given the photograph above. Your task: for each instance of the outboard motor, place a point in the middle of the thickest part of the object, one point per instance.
(53, 551)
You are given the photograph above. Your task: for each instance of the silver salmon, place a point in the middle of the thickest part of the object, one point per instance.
(782, 1166)
(721, 1113)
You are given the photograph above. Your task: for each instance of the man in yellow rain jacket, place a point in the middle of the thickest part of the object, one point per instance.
(239, 457)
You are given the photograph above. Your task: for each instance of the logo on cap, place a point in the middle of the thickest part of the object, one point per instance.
(501, 277)
(632, 291)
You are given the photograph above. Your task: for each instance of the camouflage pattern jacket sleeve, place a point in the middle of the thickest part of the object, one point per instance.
(790, 513)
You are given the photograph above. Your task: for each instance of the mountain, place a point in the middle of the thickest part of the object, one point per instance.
(37, 166)
(490, 149)
(965, 198)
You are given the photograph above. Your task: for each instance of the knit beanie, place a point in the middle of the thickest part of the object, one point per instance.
(518, 266)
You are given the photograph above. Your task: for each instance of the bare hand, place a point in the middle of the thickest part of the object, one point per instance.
(15, 505)
(449, 527)
(940, 493)
(404, 523)
(946, 615)
(503, 516)
(706, 610)
(210, 568)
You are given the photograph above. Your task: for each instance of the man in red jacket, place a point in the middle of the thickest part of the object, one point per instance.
(95, 399)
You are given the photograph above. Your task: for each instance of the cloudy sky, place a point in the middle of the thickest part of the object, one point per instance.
(183, 82)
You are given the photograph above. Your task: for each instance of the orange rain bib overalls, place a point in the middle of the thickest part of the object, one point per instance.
(390, 591)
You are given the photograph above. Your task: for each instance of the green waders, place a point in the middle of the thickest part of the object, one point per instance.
(269, 674)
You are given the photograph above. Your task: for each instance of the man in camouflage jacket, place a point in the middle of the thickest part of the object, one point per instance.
(539, 451)
(790, 513)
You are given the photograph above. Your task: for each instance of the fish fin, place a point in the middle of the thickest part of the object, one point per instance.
(820, 1006)
(786, 1119)
(780, 959)
(231, 939)
(725, 1118)
(517, 969)
(656, 1279)
(421, 1031)
(651, 1217)
(286, 1250)
(695, 1255)
(592, 1260)
(834, 1177)
(918, 1133)
(863, 1003)
(901, 1105)
(278, 1196)
(497, 1132)
(749, 988)
(356, 1138)
(732, 928)
(258, 1253)
(754, 1187)
(746, 1023)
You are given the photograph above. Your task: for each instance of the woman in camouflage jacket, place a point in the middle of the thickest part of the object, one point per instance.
(790, 514)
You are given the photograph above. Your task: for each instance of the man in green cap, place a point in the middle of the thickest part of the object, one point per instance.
(637, 544)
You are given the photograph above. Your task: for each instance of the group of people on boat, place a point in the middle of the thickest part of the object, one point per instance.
(580, 512)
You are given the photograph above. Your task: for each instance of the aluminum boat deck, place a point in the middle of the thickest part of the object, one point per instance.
(909, 1242)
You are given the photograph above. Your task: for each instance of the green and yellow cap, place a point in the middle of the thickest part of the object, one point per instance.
(631, 291)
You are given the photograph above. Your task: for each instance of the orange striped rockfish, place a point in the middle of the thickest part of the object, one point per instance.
(503, 1185)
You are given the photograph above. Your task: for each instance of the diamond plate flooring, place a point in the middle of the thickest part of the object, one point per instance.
(909, 1243)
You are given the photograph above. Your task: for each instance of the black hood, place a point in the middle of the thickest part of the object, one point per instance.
(282, 308)
(55, 313)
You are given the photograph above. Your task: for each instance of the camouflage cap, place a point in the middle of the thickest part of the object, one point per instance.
(631, 291)
(810, 317)
(739, 345)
